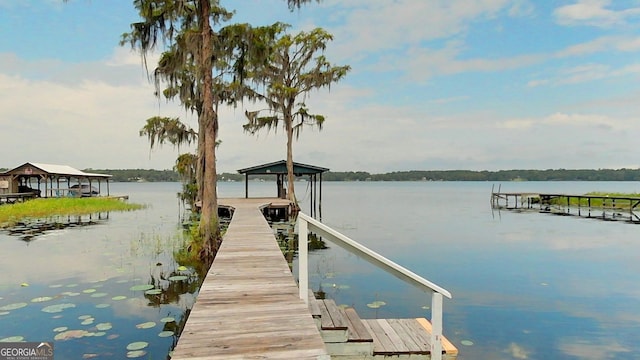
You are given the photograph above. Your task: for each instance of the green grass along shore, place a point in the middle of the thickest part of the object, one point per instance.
(10, 214)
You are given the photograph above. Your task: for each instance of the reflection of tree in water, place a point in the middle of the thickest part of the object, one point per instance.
(172, 290)
(28, 230)
(288, 240)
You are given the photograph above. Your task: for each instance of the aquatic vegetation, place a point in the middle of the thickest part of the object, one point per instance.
(43, 207)
(139, 345)
(141, 287)
(14, 306)
(376, 304)
(58, 308)
(146, 325)
(13, 339)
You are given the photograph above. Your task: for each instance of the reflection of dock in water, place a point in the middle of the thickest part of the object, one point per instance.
(612, 208)
(28, 230)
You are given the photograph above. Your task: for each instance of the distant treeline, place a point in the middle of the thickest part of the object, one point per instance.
(414, 175)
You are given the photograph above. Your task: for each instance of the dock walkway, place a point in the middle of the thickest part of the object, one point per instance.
(249, 306)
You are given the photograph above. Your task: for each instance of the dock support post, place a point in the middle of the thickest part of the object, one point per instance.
(436, 323)
(303, 260)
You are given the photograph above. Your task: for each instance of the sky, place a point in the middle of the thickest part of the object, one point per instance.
(434, 85)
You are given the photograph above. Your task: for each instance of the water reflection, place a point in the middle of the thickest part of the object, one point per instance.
(28, 230)
(95, 290)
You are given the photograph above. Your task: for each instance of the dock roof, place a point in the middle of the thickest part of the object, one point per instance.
(31, 168)
(280, 167)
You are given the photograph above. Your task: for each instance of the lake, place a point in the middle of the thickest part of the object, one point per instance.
(524, 285)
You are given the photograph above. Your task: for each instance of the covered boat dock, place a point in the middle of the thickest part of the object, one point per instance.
(279, 169)
(48, 180)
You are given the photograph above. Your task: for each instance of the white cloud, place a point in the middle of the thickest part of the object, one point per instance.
(594, 13)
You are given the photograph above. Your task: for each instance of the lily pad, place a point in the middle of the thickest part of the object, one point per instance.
(138, 345)
(168, 319)
(60, 329)
(89, 291)
(97, 295)
(58, 308)
(146, 325)
(119, 297)
(178, 278)
(87, 321)
(466, 342)
(71, 334)
(24, 284)
(4, 313)
(142, 287)
(136, 354)
(166, 334)
(84, 317)
(13, 339)
(41, 299)
(376, 304)
(153, 292)
(104, 326)
(182, 268)
(102, 306)
(14, 306)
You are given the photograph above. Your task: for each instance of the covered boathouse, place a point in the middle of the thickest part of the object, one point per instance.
(279, 169)
(48, 180)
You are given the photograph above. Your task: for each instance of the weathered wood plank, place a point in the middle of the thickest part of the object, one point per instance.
(447, 346)
(393, 336)
(407, 336)
(248, 306)
(381, 342)
(357, 331)
(335, 313)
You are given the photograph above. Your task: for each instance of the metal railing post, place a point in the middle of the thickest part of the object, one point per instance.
(436, 323)
(303, 260)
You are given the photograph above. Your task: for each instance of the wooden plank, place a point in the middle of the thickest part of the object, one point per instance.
(408, 336)
(357, 331)
(248, 305)
(335, 312)
(313, 305)
(393, 336)
(447, 346)
(417, 332)
(383, 345)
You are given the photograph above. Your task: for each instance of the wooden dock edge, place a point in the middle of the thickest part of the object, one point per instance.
(447, 346)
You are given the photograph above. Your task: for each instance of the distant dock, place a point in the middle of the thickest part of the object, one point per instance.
(616, 208)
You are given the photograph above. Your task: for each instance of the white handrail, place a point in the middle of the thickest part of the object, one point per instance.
(306, 223)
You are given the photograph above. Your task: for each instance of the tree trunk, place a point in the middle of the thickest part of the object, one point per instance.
(208, 228)
(291, 195)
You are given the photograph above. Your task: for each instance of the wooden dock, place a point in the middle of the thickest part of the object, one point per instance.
(248, 306)
(12, 198)
(603, 207)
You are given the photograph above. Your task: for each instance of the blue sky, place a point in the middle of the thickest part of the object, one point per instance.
(435, 84)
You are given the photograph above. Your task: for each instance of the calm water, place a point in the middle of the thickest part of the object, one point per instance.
(524, 285)
(98, 288)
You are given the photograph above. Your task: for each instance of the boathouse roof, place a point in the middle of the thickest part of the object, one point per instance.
(48, 170)
(280, 167)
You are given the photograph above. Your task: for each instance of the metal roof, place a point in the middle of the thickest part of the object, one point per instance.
(280, 167)
(51, 169)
